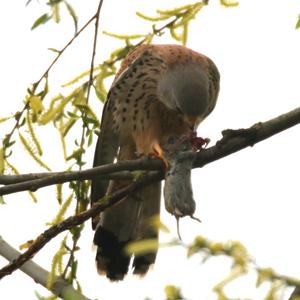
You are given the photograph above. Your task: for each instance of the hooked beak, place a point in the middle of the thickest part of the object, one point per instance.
(192, 121)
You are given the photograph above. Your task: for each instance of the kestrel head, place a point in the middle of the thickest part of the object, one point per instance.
(185, 88)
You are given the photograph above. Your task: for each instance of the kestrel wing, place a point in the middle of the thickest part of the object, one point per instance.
(105, 153)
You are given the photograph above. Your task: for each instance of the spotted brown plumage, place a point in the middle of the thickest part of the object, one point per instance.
(159, 91)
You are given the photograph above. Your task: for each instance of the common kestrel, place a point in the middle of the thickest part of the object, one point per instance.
(159, 91)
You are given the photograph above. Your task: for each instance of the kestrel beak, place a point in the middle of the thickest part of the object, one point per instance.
(192, 121)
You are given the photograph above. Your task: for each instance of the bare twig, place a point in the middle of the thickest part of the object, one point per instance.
(73, 221)
(45, 74)
(80, 194)
(232, 141)
(90, 81)
(97, 18)
(60, 287)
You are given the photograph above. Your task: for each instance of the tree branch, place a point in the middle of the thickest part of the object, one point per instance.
(34, 181)
(60, 287)
(236, 140)
(232, 141)
(73, 221)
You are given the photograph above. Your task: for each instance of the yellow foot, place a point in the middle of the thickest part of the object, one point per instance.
(158, 152)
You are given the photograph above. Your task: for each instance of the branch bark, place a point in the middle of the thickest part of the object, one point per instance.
(60, 287)
(232, 141)
(73, 221)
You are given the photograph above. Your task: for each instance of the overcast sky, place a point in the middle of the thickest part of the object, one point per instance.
(251, 196)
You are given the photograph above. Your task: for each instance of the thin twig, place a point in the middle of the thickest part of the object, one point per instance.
(90, 81)
(81, 195)
(97, 17)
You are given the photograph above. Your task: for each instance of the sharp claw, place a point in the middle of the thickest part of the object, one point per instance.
(159, 153)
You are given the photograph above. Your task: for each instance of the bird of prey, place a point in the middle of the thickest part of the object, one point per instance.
(159, 91)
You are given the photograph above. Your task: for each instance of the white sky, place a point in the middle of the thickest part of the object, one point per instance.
(251, 196)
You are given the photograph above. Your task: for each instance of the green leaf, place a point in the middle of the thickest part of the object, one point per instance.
(90, 139)
(7, 143)
(54, 50)
(72, 14)
(40, 21)
(74, 269)
(56, 12)
(72, 115)
(298, 23)
(92, 121)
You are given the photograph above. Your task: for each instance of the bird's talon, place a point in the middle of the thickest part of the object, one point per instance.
(159, 153)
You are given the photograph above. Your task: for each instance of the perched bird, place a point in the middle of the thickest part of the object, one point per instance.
(159, 91)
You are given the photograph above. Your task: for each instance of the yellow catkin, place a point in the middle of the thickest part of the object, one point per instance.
(4, 119)
(33, 134)
(56, 264)
(59, 194)
(60, 215)
(229, 3)
(2, 161)
(33, 197)
(35, 103)
(142, 247)
(124, 36)
(177, 10)
(152, 19)
(53, 110)
(175, 35)
(13, 169)
(32, 153)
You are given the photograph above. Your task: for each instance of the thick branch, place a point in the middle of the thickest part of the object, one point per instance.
(60, 287)
(73, 221)
(232, 141)
(236, 140)
(112, 171)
